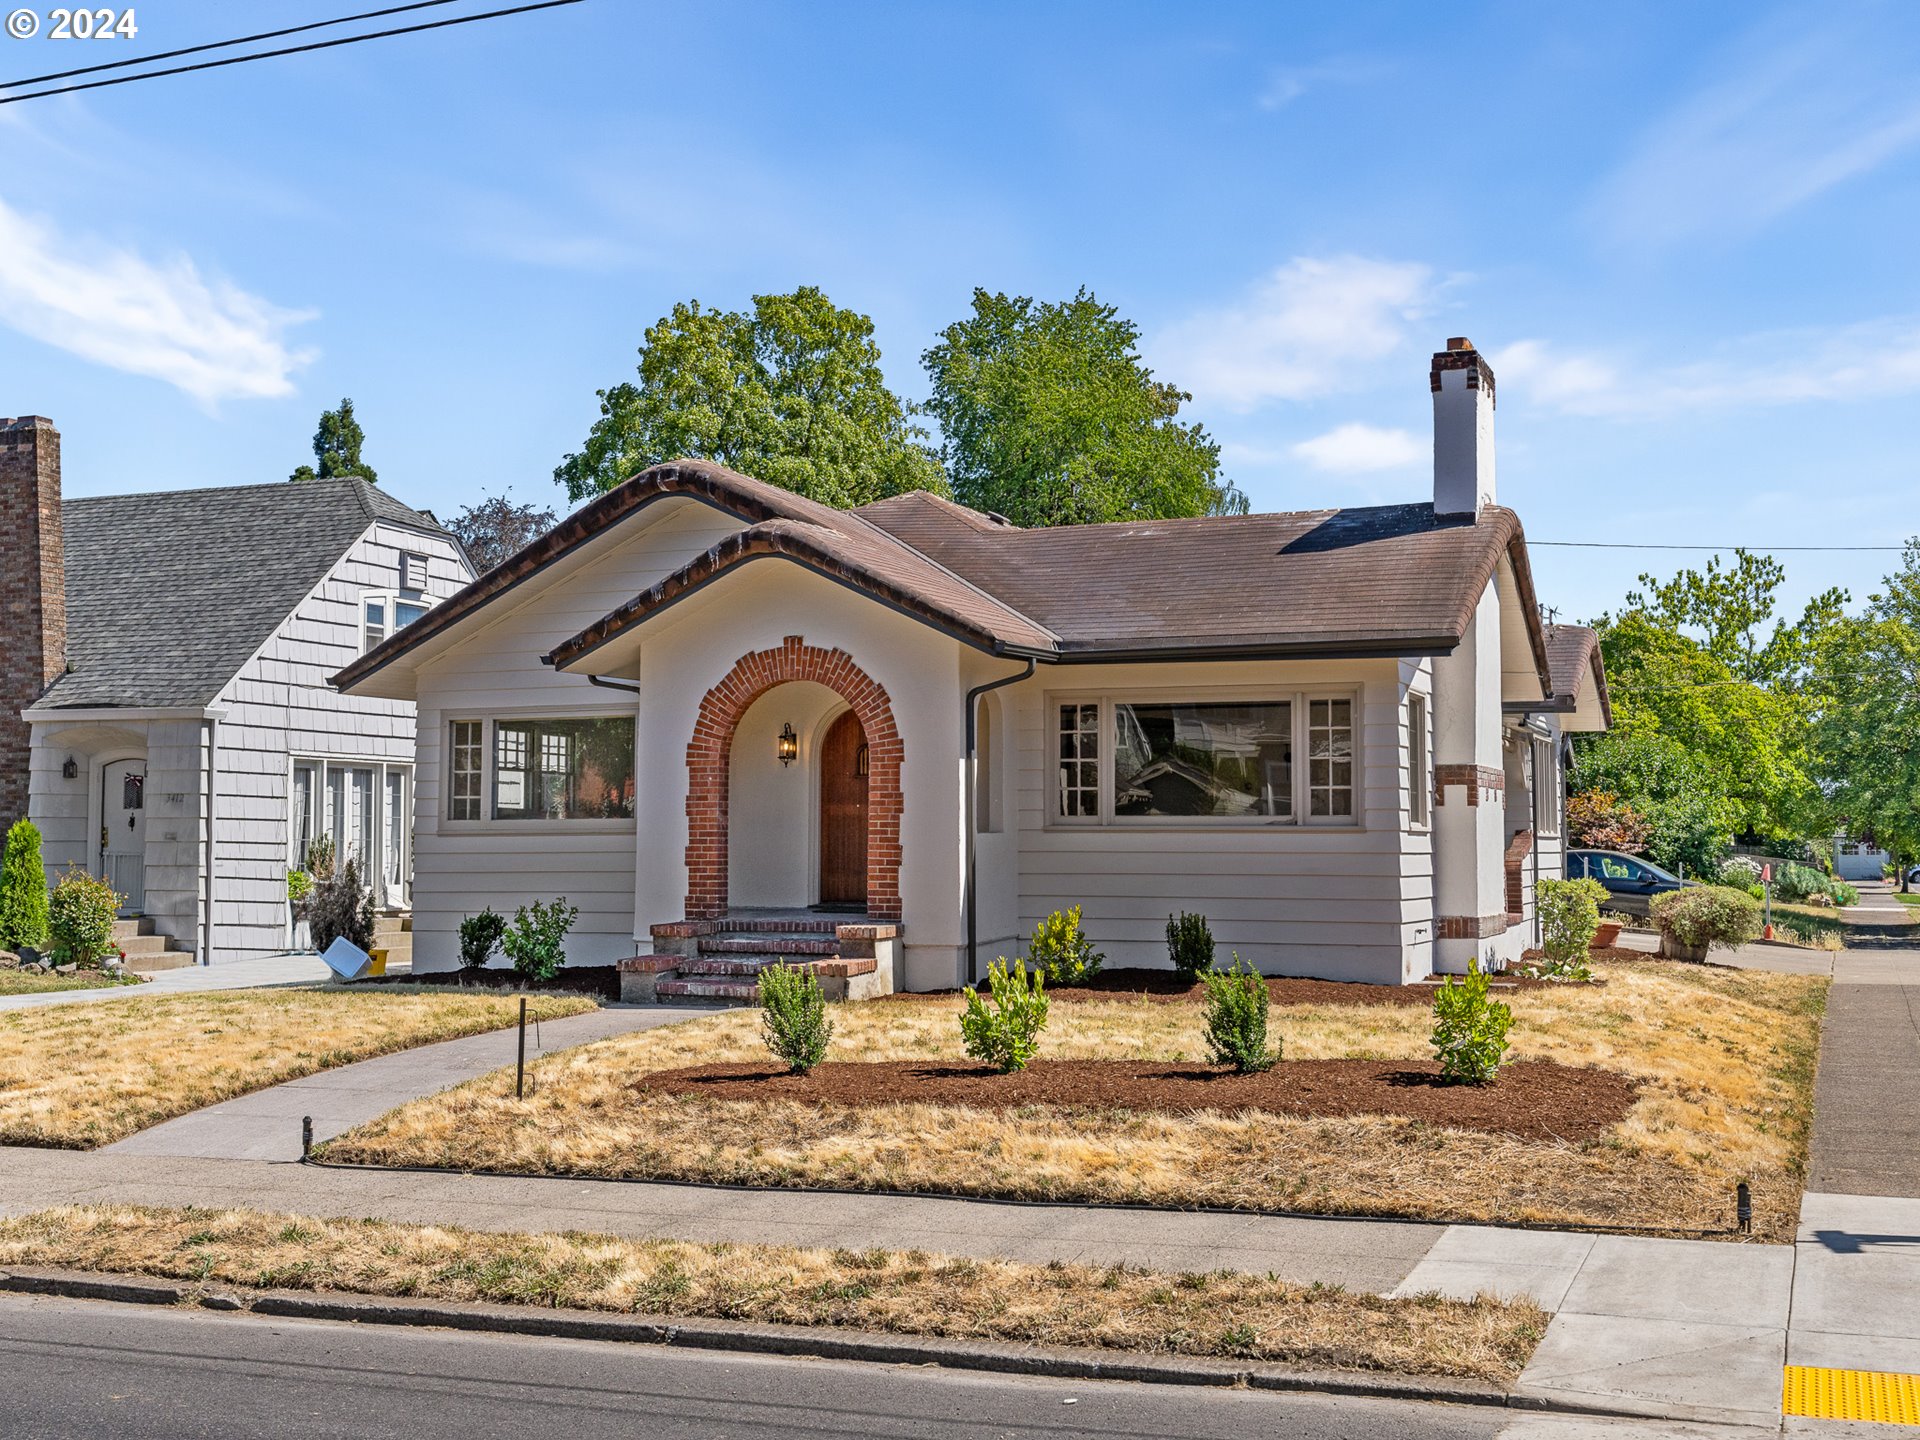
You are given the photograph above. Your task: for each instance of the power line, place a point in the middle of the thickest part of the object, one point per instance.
(222, 44)
(288, 50)
(1755, 549)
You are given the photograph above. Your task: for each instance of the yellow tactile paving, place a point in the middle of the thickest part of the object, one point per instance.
(1876, 1395)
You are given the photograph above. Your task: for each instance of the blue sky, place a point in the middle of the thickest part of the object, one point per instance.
(1684, 233)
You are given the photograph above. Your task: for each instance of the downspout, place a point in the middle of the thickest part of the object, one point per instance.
(973, 733)
(213, 776)
(606, 684)
(1533, 802)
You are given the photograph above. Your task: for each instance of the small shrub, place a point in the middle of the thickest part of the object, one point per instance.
(793, 1015)
(320, 858)
(536, 940)
(1006, 1034)
(23, 890)
(1236, 1015)
(1797, 884)
(299, 887)
(80, 916)
(1469, 1030)
(1062, 951)
(480, 937)
(1189, 945)
(1739, 872)
(1569, 919)
(1707, 915)
(1844, 894)
(341, 906)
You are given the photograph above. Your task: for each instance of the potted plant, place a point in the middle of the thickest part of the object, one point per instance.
(1606, 937)
(1694, 920)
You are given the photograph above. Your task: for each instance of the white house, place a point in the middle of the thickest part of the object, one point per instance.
(727, 722)
(181, 738)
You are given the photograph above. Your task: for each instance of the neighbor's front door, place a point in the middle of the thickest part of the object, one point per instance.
(843, 813)
(123, 832)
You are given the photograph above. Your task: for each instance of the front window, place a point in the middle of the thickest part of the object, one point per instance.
(1419, 782)
(466, 770)
(1187, 760)
(1126, 759)
(563, 769)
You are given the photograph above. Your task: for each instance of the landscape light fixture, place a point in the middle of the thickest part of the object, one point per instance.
(789, 744)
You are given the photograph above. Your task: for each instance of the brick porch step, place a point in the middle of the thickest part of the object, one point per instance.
(749, 968)
(790, 925)
(769, 944)
(708, 991)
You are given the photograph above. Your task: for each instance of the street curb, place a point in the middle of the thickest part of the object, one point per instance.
(792, 1340)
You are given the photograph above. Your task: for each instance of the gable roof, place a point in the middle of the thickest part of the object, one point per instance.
(1573, 658)
(170, 594)
(1381, 580)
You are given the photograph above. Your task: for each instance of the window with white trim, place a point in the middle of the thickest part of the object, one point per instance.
(382, 612)
(1130, 760)
(1546, 783)
(466, 772)
(1079, 762)
(1419, 776)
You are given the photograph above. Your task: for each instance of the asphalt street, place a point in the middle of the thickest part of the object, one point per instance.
(76, 1369)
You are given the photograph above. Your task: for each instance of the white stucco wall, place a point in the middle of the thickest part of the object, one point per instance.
(775, 847)
(494, 670)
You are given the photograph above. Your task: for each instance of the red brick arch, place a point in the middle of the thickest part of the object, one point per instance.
(711, 748)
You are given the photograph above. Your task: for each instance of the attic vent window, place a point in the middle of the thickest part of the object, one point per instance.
(413, 572)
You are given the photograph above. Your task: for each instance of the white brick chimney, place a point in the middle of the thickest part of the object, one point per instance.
(1462, 429)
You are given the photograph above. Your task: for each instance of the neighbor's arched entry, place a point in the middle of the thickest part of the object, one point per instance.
(710, 750)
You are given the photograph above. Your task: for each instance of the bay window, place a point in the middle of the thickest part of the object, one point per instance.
(1126, 759)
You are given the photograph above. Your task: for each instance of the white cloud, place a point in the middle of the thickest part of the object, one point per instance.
(1355, 448)
(110, 305)
(1852, 362)
(1308, 329)
(1289, 82)
(1803, 107)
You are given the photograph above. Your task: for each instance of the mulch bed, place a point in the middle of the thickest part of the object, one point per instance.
(1532, 1099)
(1166, 987)
(600, 981)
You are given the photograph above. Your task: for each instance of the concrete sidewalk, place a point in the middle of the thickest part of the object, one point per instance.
(266, 1124)
(191, 980)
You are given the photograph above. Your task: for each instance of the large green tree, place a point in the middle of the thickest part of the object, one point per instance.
(336, 447)
(1867, 736)
(789, 392)
(1700, 662)
(1050, 417)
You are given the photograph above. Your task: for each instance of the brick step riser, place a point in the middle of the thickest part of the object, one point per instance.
(743, 965)
(707, 992)
(770, 946)
(786, 927)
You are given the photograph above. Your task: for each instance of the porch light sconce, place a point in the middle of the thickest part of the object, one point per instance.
(71, 769)
(789, 744)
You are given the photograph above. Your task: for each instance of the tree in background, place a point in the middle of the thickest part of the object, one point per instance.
(1712, 709)
(1685, 817)
(1867, 736)
(1050, 417)
(790, 393)
(336, 447)
(497, 528)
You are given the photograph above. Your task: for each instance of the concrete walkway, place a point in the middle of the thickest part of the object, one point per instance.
(191, 980)
(266, 1124)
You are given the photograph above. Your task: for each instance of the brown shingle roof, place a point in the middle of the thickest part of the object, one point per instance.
(1573, 661)
(1381, 580)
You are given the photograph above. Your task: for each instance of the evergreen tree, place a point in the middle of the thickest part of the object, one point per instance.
(336, 447)
(23, 889)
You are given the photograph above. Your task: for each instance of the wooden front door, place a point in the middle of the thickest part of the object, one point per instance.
(843, 813)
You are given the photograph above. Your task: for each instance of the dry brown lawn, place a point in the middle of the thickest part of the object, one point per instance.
(1726, 1059)
(910, 1293)
(76, 1076)
(20, 982)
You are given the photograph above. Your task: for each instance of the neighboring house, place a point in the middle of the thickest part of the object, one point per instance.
(170, 655)
(1858, 859)
(704, 707)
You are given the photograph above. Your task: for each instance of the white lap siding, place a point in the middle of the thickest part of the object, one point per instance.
(280, 706)
(1343, 902)
(461, 868)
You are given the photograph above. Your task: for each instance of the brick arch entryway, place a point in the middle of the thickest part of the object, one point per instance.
(711, 748)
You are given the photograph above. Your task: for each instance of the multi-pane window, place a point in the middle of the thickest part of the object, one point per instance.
(563, 769)
(1079, 762)
(1185, 760)
(1546, 783)
(1419, 781)
(1329, 759)
(382, 613)
(466, 770)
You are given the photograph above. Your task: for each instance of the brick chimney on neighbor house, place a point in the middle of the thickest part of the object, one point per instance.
(33, 592)
(1462, 429)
